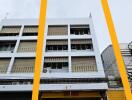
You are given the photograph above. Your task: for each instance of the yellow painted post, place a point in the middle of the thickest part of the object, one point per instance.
(39, 51)
(116, 48)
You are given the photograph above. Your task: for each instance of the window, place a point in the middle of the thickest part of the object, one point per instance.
(30, 31)
(73, 46)
(57, 30)
(10, 31)
(49, 64)
(7, 45)
(50, 47)
(30, 34)
(59, 47)
(88, 46)
(23, 65)
(65, 64)
(86, 31)
(59, 66)
(83, 64)
(79, 29)
(65, 47)
(4, 63)
(81, 44)
(53, 66)
(78, 47)
(56, 64)
(81, 47)
(56, 45)
(27, 46)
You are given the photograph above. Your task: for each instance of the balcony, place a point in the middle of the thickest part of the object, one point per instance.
(27, 46)
(7, 46)
(4, 63)
(30, 31)
(55, 65)
(56, 45)
(81, 45)
(84, 64)
(80, 30)
(54, 30)
(23, 65)
(10, 31)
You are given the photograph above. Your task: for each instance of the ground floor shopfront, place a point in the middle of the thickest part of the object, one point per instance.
(74, 95)
(55, 95)
(67, 95)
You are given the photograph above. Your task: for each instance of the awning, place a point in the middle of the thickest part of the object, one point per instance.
(23, 65)
(57, 42)
(28, 46)
(56, 59)
(79, 26)
(84, 41)
(11, 29)
(83, 64)
(30, 29)
(58, 30)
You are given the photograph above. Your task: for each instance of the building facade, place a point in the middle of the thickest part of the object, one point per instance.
(111, 70)
(72, 65)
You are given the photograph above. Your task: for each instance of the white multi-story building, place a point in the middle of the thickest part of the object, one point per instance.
(71, 58)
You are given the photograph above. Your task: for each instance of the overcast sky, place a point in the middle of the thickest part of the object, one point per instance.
(121, 12)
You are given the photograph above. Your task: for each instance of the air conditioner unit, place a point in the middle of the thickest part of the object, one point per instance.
(45, 70)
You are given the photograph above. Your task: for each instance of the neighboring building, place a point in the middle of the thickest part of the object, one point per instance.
(111, 69)
(72, 65)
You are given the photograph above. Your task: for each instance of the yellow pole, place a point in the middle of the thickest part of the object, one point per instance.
(39, 51)
(116, 48)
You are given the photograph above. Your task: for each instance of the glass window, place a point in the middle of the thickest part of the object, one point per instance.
(54, 47)
(59, 47)
(73, 46)
(78, 47)
(53, 65)
(45, 65)
(85, 31)
(65, 47)
(65, 64)
(49, 47)
(88, 46)
(76, 32)
(83, 47)
(59, 66)
(72, 32)
(49, 65)
(81, 32)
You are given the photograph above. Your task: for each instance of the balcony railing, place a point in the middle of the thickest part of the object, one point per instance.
(27, 46)
(4, 63)
(10, 31)
(84, 64)
(23, 65)
(57, 30)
